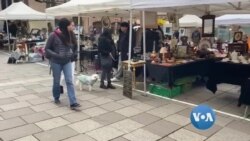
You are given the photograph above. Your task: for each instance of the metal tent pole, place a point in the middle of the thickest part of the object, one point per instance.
(130, 38)
(8, 33)
(78, 46)
(144, 48)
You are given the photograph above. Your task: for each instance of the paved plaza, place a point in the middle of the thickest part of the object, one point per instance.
(27, 112)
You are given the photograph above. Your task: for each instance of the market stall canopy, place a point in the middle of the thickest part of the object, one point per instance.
(231, 19)
(190, 21)
(195, 7)
(20, 11)
(77, 7)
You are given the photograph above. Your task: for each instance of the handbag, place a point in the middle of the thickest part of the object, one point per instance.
(11, 60)
(61, 89)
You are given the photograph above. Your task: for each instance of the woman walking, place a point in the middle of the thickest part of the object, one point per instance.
(61, 49)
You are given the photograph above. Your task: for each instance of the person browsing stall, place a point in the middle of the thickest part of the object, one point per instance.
(105, 47)
(123, 48)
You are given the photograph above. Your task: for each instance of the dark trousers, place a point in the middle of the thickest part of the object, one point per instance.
(106, 73)
(106, 64)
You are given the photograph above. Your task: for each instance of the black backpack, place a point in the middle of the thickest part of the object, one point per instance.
(11, 60)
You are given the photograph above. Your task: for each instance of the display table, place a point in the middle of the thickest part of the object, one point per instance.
(231, 73)
(238, 47)
(27, 45)
(89, 54)
(133, 65)
(5, 42)
(170, 73)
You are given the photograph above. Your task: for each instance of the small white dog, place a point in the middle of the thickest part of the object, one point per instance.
(86, 80)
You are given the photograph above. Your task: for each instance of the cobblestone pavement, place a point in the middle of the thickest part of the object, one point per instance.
(27, 113)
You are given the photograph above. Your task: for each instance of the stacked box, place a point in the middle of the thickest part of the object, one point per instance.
(185, 83)
(165, 91)
(186, 87)
(185, 80)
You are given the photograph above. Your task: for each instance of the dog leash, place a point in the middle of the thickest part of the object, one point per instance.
(112, 57)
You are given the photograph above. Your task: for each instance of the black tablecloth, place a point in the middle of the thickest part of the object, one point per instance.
(231, 73)
(245, 93)
(217, 72)
(171, 73)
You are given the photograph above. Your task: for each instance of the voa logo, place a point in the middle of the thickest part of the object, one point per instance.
(202, 117)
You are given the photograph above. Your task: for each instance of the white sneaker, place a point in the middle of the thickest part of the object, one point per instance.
(115, 79)
(114, 71)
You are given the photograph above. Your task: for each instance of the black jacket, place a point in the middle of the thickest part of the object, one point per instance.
(58, 52)
(123, 45)
(151, 38)
(105, 46)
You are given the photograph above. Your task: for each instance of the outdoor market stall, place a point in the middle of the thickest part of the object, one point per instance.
(184, 6)
(86, 8)
(232, 7)
(169, 73)
(231, 73)
(20, 11)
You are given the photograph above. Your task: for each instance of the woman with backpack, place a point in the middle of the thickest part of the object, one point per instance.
(61, 48)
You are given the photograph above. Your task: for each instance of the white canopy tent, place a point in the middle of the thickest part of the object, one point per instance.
(175, 3)
(187, 24)
(77, 7)
(194, 7)
(231, 19)
(188, 21)
(20, 11)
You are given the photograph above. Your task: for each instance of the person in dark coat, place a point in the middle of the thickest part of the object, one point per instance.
(13, 29)
(5, 26)
(123, 47)
(152, 39)
(105, 48)
(123, 42)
